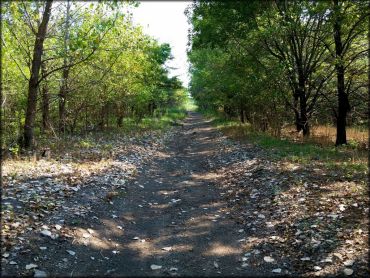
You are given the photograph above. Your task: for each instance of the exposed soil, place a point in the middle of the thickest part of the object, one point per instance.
(190, 212)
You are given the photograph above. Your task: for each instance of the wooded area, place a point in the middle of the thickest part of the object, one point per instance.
(111, 166)
(273, 63)
(71, 67)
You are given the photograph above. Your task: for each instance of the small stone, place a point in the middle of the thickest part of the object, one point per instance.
(268, 259)
(155, 267)
(58, 227)
(46, 233)
(136, 238)
(12, 262)
(317, 268)
(70, 252)
(244, 265)
(215, 264)
(261, 216)
(349, 262)
(174, 269)
(85, 235)
(306, 259)
(39, 274)
(167, 248)
(327, 260)
(276, 270)
(348, 271)
(30, 266)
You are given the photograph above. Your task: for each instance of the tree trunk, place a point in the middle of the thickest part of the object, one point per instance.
(64, 86)
(296, 111)
(45, 102)
(242, 118)
(28, 136)
(62, 100)
(343, 105)
(303, 116)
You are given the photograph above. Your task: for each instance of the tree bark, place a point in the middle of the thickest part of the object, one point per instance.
(343, 104)
(64, 86)
(45, 102)
(242, 118)
(62, 100)
(28, 136)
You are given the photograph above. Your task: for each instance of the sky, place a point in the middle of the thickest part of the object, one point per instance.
(166, 22)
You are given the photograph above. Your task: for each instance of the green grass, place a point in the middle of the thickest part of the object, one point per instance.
(347, 159)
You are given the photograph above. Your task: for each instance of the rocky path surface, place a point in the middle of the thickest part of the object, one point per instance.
(176, 218)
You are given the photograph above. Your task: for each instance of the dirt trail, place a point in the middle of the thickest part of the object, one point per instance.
(174, 202)
(202, 205)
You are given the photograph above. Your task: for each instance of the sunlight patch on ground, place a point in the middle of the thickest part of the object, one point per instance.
(219, 249)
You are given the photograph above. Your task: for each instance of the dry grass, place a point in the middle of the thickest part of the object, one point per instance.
(325, 135)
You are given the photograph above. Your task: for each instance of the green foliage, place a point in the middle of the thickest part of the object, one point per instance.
(272, 63)
(116, 74)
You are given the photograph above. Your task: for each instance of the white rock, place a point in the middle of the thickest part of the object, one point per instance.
(12, 262)
(349, 262)
(70, 252)
(169, 248)
(261, 216)
(268, 259)
(241, 230)
(276, 270)
(5, 255)
(305, 259)
(155, 267)
(244, 265)
(85, 235)
(174, 269)
(136, 238)
(40, 274)
(43, 248)
(30, 266)
(46, 233)
(348, 271)
(317, 268)
(58, 227)
(215, 264)
(327, 260)
(120, 227)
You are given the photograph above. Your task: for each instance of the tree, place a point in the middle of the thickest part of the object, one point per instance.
(33, 84)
